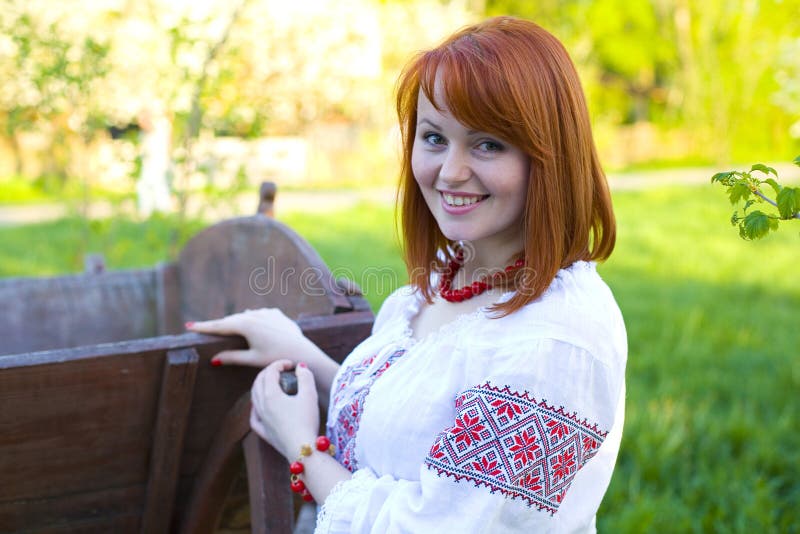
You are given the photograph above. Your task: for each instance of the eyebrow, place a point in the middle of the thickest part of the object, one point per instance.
(431, 123)
(437, 127)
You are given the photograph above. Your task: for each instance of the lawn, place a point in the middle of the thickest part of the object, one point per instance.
(711, 441)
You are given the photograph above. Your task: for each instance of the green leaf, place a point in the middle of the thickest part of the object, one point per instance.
(796, 161)
(763, 168)
(735, 218)
(788, 202)
(775, 185)
(722, 177)
(756, 225)
(738, 191)
(748, 204)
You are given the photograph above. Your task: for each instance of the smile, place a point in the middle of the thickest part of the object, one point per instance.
(458, 200)
(460, 204)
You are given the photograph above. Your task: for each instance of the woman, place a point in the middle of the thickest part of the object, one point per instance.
(490, 396)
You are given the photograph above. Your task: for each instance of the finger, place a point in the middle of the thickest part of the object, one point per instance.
(235, 357)
(268, 382)
(269, 379)
(257, 391)
(229, 325)
(305, 378)
(257, 425)
(272, 371)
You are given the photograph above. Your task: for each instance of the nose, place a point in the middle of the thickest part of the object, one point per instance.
(455, 167)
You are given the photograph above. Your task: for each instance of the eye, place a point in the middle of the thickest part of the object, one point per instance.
(433, 138)
(490, 146)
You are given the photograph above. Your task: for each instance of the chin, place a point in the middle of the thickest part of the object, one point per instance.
(456, 235)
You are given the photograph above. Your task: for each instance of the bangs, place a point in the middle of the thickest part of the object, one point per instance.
(473, 86)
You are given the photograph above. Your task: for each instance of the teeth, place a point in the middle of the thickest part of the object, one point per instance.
(453, 200)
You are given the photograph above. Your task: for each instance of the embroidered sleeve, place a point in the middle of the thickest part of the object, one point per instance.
(509, 442)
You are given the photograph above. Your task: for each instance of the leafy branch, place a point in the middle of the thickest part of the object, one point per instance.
(748, 187)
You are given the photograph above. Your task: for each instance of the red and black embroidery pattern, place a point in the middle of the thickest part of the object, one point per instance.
(514, 444)
(345, 422)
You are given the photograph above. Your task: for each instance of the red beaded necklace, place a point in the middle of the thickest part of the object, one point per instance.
(476, 288)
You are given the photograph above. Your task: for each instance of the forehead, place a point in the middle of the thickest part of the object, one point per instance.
(438, 105)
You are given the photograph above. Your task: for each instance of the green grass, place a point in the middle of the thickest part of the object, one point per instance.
(711, 441)
(19, 190)
(59, 247)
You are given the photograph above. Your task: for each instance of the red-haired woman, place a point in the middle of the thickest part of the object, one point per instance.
(490, 396)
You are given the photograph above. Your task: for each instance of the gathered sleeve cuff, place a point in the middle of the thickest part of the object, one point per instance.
(337, 512)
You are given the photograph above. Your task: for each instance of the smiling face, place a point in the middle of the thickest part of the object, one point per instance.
(474, 184)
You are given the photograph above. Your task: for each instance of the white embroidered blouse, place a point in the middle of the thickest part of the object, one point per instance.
(507, 425)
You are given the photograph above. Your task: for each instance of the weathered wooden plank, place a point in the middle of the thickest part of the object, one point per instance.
(218, 471)
(72, 428)
(68, 311)
(121, 524)
(168, 300)
(177, 387)
(271, 507)
(117, 509)
(254, 262)
(330, 332)
(72, 400)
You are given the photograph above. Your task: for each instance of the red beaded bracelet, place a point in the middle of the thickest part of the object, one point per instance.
(296, 468)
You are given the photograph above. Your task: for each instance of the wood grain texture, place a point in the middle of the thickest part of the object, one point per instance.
(177, 386)
(70, 311)
(78, 425)
(254, 262)
(168, 299)
(271, 506)
(217, 471)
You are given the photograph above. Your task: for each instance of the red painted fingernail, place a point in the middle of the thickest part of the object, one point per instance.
(303, 365)
(216, 363)
(188, 324)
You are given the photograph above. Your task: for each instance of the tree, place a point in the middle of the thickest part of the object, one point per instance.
(50, 77)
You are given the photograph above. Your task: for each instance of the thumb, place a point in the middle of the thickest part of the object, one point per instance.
(235, 357)
(305, 378)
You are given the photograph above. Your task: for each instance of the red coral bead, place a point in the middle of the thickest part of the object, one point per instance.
(448, 293)
(296, 468)
(307, 497)
(323, 443)
(297, 486)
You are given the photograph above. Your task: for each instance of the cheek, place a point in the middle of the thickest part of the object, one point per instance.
(421, 167)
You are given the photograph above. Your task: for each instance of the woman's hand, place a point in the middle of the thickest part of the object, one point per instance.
(270, 334)
(285, 421)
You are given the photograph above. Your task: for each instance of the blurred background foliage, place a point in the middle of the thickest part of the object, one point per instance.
(670, 82)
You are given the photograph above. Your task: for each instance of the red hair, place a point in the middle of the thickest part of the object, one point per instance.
(511, 78)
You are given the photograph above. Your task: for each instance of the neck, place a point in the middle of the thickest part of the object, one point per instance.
(482, 259)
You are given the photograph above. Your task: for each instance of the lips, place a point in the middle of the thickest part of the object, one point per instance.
(459, 203)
